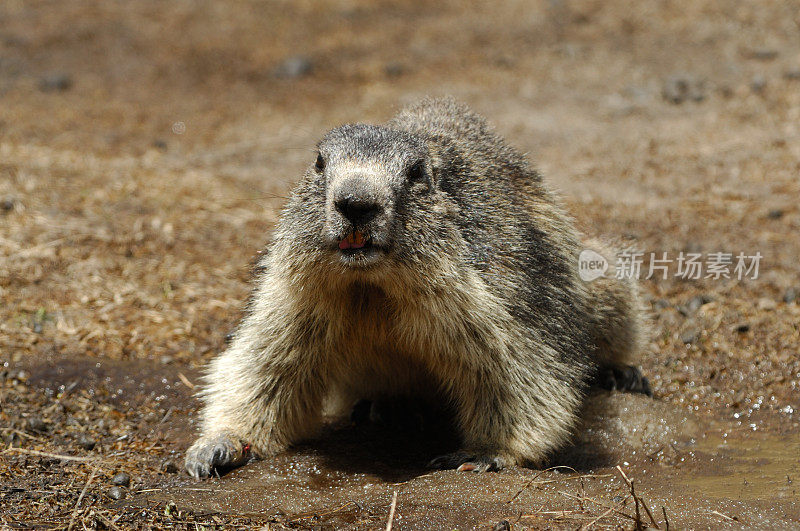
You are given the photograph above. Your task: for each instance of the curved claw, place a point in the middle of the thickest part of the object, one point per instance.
(467, 462)
(219, 451)
(625, 378)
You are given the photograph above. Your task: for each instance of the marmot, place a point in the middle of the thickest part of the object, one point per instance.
(422, 257)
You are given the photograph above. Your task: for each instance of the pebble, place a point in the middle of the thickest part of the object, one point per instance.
(502, 525)
(37, 424)
(766, 304)
(793, 74)
(122, 479)
(57, 81)
(790, 295)
(7, 204)
(690, 335)
(682, 87)
(293, 67)
(764, 54)
(758, 83)
(694, 304)
(394, 69)
(116, 493)
(693, 247)
(86, 442)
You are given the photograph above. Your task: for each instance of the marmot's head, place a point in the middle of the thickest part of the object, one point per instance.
(381, 203)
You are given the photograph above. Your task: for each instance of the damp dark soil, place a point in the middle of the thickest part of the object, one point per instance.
(146, 149)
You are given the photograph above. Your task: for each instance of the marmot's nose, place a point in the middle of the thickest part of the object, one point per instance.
(357, 209)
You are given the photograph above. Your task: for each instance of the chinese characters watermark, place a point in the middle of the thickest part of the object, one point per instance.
(688, 266)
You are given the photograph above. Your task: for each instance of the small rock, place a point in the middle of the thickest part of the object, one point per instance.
(681, 87)
(694, 304)
(86, 442)
(742, 328)
(690, 335)
(776, 213)
(116, 493)
(764, 54)
(394, 69)
(169, 466)
(122, 479)
(56, 81)
(758, 83)
(793, 74)
(166, 360)
(37, 424)
(693, 247)
(293, 67)
(7, 204)
(502, 525)
(766, 304)
(790, 295)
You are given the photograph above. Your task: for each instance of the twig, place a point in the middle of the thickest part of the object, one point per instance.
(106, 521)
(666, 520)
(18, 432)
(162, 421)
(601, 504)
(608, 511)
(80, 499)
(315, 515)
(193, 490)
(649, 514)
(725, 516)
(185, 381)
(638, 499)
(54, 456)
(391, 512)
(636, 505)
(531, 482)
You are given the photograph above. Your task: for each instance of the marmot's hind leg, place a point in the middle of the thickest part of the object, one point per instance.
(401, 413)
(621, 377)
(620, 329)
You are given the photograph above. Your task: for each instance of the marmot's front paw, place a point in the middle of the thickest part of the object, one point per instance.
(468, 462)
(221, 450)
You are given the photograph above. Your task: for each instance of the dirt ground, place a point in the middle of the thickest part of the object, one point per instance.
(146, 149)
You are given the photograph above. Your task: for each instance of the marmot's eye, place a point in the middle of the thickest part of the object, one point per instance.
(320, 164)
(416, 172)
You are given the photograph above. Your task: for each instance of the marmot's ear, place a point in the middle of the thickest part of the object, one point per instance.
(416, 172)
(319, 165)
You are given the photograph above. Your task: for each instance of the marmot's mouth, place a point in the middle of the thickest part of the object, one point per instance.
(354, 241)
(359, 250)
